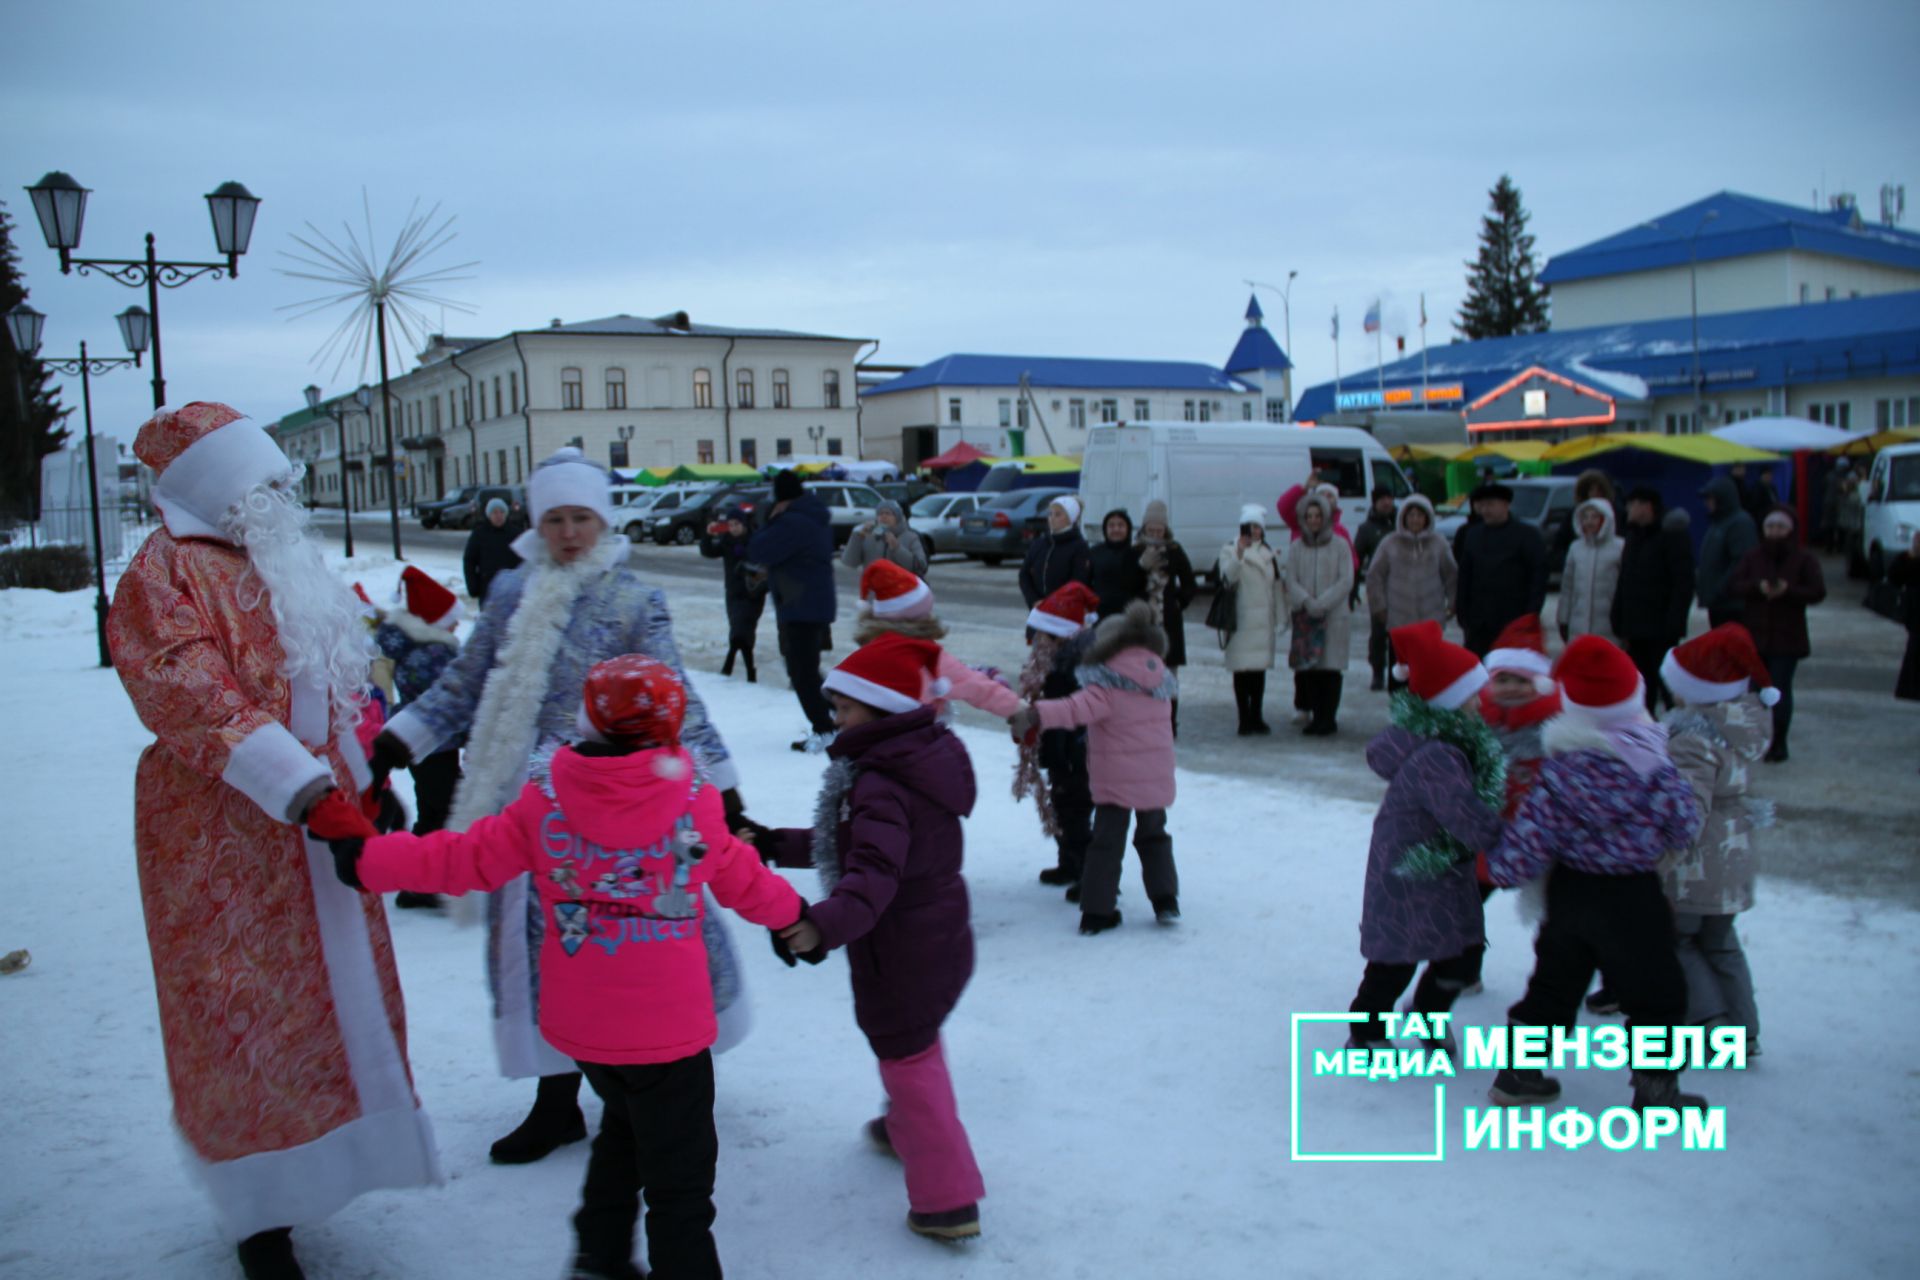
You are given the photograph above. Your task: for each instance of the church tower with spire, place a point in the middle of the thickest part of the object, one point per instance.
(1258, 359)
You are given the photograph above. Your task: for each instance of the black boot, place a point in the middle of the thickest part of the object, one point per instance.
(1661, 1089)
(1091, 924)
(554, 1122)
(746, 656)
(408, 900)
(269, 1256)
(726, 668)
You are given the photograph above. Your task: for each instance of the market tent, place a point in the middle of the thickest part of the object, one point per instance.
(1520, 457)
(1512, 450)
(713, 471)
(1428, 466)
(1786, 435)
(959, 456)
(1676, 467)
(1038, 471)
(1879, 440)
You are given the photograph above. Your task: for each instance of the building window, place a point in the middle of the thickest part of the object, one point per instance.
(782, 394)
(1187, 411)
(1276, 409)
(1836, 414)
(1829, 293)
(1805, 291)
(953, 410)
(486, 468)
(703, 450)
(1006, 413)
(572, 395)
(1020, 412)
(1246, 411)
(702, 389)
(436, 415)
(1077, 414)
(1142, 410)
(517, 476)
(513, 389)
(1682, 424)
(1109, 411)
(831, 387)
(617, 453)
(1206, 411)
(833, 446)
(782, 448)
(1896, 413)
(749, 452)
(743, 389)
(617, 390)
(497, 409)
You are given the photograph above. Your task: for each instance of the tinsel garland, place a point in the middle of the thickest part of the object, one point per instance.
(1028, 777)
(1471, 736)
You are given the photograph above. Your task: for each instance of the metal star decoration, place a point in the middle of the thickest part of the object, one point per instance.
(400, 284)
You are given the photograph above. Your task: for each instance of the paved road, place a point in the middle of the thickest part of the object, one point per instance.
(1848, 801)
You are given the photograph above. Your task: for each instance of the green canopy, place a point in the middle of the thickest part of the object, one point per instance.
(710, 471)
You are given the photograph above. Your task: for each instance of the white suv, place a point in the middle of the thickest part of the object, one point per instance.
(1892, 507)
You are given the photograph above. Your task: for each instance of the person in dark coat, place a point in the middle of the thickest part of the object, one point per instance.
(746, 585)
(1904, 571)
(490, 549)
(1655, 592)
(1382, 519)
(1503, 570)
(1058, 556)
(889, 845)
(1731, 533)
(1171, 585)
(1117, 577)
(1778, 579)
(796, 549)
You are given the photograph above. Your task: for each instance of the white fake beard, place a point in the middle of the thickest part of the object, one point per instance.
(318, 619)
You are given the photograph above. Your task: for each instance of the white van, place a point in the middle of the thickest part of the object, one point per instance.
(1892, 507)
(1205, 472)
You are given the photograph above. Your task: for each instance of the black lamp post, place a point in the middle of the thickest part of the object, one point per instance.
(23, 326)
(346, 490)
(61, 205)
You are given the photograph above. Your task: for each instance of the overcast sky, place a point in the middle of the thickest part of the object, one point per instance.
(1043, 178)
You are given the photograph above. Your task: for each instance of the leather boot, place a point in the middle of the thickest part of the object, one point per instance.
(554, 1122)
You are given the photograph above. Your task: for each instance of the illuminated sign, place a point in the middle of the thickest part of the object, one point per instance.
(1400, 397)
(1533, 404)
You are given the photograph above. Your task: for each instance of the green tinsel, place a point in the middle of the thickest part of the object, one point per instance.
(1471, 736)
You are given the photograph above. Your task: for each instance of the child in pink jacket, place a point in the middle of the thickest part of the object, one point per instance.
(897, 601)
(1126, 701)
(621, 835)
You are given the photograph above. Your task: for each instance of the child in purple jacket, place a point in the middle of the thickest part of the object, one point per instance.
(887, 842)
(1126, 703)
(1607, 806)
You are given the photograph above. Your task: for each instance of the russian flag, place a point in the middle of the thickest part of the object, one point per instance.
(1372, 322)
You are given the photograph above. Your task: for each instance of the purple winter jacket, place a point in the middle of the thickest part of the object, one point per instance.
(1404, 920)
(900, 907)
(1594, 810)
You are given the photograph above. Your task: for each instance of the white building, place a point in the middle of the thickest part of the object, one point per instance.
(1739, 253)
(630, 392)
(980, 399)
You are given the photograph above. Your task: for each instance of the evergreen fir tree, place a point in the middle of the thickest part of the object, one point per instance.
(1502, 295)
(30, 414)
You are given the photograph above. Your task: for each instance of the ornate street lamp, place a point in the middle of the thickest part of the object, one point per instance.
(60, 204)
(23, 326)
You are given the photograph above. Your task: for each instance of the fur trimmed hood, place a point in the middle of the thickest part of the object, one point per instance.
(1641, 745)
(416, 628)
(1132, 629)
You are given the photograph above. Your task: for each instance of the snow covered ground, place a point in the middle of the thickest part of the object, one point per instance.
(1128, 1095)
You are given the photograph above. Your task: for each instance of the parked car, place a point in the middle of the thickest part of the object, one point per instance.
(1005, 523)
(849, 505)
(680, 515)
(1892, 504)
(429, 510)
(936, 518)
(905, 492)
(471, 510)
(1545, 502)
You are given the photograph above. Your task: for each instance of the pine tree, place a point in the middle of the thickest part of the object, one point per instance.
(1502, 295)
(30, 414)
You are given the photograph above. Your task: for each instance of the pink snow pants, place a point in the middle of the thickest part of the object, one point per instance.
(923, 1123)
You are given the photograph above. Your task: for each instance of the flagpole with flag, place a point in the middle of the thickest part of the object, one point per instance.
(1423, 351)
(1336, 358)
(1372, 325)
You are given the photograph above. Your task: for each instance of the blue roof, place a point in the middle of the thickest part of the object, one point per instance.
(962, 370)
(1875, 337)
(1253, 308)
(1257, 350)
(1730, 225)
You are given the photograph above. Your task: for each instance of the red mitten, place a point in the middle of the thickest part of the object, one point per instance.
(338, 817)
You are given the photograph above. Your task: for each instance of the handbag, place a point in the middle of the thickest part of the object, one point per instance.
(1309, 643)
(1223, 615)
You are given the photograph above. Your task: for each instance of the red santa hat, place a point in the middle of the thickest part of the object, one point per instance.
(428, 601)
(888, 591)
(634, 700)
(205, 457)
(1599, 683)
(1064, 613)
(1522, 647)
(888, 674)
(1434, 668)
(1718, 667)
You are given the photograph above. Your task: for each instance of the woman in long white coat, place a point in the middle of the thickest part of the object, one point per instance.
(1252, 569)
(1591, 575)
(1319, 584)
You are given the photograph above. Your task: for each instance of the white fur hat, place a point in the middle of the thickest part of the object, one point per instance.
(568, 479)
(1253, 513)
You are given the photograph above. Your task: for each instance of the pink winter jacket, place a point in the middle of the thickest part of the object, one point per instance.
(1129, 720)
(623, 969)
(973, 687)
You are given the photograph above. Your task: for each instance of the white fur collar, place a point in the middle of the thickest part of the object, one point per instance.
(1565, 734)
(611, 550)
(416, 628)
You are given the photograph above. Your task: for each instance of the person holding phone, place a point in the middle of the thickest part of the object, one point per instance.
(1252, 569)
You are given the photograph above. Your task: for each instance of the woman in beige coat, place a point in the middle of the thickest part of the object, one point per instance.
(1591, 575)
(1412, 574)
(1252, 568)
(1319, 578)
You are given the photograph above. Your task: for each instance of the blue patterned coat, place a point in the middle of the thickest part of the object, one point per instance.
(1430, 787)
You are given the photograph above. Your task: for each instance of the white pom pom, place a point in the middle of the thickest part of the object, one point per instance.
(1769, 696)
(1544, 684)
(940, 688)
(1401, 671)
(669, 766)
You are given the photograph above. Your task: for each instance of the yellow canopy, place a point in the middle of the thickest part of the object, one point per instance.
(1512, 450)
(1878, 441)
(1040, 463)
(1708, 450)
(1423, 452)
